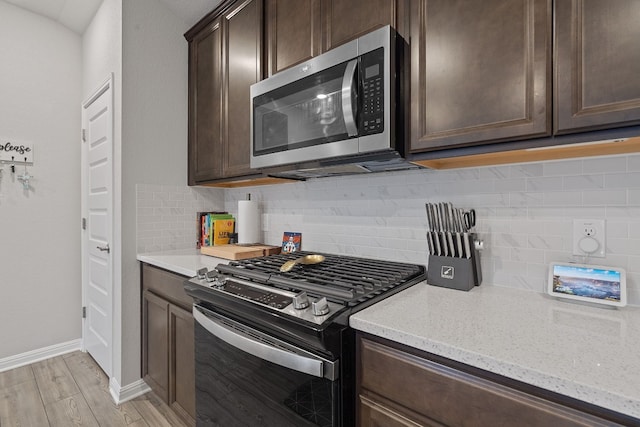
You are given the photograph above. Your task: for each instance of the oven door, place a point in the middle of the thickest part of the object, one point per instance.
(247, 378)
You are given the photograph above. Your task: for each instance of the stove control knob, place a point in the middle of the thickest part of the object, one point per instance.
(320, 307)
(301, 301)
(202, 273)
(215, 279)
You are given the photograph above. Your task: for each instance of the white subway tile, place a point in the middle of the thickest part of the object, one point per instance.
(526, 199)
(604, 164)
(604, 198)
(633, 195)
(618, 229)
(526, 170)
(633, 162)
(634, 230)
(563, 198)
(583, 182)
(546, 183)
(545, 242)
(622, 180)
(527, 255)
(510, 184)
(562, 167)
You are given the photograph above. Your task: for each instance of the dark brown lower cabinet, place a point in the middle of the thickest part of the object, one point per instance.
(398, 386)
(168, 362)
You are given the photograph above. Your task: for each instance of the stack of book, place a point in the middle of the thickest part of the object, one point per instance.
(215, 228)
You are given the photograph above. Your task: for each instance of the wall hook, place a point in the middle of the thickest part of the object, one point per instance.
(13, 165)
(25, 177)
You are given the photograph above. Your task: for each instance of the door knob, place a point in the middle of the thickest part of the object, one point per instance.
(104, 248)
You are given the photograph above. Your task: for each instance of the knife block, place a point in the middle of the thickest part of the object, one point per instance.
(455, 273)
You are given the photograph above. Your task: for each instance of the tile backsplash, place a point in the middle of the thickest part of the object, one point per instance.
(525, 214)
(166, 215)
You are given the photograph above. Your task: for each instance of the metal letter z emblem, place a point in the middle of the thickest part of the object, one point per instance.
(447, 272)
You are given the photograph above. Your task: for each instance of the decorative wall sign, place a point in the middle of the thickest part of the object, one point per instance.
(16, 151)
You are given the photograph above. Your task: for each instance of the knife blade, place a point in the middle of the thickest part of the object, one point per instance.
(452, 246)
(459, 243)
(444, 243)
(429, 222)
(436, 240)
(467, 245)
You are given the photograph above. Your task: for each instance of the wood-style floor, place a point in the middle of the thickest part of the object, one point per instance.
(71, 390)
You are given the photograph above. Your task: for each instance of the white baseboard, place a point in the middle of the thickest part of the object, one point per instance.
(37, 355)
(128, 392)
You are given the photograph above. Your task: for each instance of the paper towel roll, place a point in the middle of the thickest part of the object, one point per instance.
(248, 222)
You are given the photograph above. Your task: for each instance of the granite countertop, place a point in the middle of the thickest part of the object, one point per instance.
(590, 353)
(185, 261)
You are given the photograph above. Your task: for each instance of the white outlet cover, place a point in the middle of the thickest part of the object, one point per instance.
(582, 239)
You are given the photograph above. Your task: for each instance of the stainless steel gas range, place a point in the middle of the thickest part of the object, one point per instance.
(275, 348)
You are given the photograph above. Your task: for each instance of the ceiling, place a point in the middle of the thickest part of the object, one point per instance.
(77, 14)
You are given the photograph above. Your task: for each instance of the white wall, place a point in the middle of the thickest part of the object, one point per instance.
(154, 138)
(40, 97)
(525, 214)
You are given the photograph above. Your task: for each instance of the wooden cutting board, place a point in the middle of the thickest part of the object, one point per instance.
(235, 252)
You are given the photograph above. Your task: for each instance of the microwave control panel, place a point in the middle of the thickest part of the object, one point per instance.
(372, 75)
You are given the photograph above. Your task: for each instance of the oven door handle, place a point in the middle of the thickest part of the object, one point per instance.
(347, 101)
(283, 355)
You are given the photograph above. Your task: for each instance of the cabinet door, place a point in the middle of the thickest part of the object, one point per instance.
(293, 32)
(348, 19)
(182, 396)
(480, 71)
(447, 396)
(373, 414)
(597, 62)
(242, 53)
(155, 341)
(205, 105)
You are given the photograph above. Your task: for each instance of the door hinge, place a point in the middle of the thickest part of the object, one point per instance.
(84, 223)
(84, 312)
(84, 135)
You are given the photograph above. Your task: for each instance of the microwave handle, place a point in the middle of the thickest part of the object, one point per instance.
(347, 110)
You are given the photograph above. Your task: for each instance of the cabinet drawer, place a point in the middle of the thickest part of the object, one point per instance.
(166, 284)
(452, 397)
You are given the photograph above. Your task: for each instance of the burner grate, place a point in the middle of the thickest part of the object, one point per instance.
(343, 279)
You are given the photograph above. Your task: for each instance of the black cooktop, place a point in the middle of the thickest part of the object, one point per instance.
(342, 279)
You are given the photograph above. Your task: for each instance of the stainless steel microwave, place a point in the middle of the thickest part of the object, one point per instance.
(334, 114)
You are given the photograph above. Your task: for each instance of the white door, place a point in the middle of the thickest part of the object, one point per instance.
(97, 214)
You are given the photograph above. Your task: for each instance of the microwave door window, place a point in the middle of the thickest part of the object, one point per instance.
(304, 113)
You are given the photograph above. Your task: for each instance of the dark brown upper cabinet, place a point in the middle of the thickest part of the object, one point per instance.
(242, 26)
(481, 71)
(224, 61)
(297, 30)
(205, 104)
(597, 64)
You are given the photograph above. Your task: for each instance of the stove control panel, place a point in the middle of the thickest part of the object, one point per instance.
(294, 304)
(258, 295)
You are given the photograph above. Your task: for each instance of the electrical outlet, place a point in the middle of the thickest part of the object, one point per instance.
(589, 237)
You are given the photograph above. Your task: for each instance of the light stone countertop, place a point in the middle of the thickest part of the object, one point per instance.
(590, 353)
(186, 261)
(586, 352)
